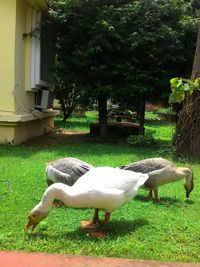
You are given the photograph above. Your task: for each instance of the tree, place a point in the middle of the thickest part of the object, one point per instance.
(161, 45)
(122, 49)
(187, 138)
(68, 92)
(69, 96)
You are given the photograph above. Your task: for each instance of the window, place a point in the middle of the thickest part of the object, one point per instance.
(35, 49)
(42, 52)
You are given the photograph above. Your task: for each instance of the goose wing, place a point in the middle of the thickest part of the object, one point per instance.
(148, 165)
(111, 178)
(107, 188)
(67, 170)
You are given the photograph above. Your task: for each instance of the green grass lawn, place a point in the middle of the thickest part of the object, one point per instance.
(168, 231)
(77, 123)
(162, 132)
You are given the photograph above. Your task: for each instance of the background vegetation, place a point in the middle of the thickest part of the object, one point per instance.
(121, 50)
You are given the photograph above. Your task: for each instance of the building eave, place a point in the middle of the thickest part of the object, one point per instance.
(40, 4)
(49, 2)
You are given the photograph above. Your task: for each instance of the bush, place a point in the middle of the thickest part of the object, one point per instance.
(166, 111)
(155, 110)
(146, 140)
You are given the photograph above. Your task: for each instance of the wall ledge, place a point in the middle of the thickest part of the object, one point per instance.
(14, 119)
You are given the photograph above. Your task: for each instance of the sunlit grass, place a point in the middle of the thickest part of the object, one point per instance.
(77, 123)
(163, 132)
(139, 230)
(151, 115)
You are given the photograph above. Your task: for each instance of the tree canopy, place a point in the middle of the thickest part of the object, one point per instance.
(122, 49)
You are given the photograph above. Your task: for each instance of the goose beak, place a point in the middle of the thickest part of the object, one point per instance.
(29, 224)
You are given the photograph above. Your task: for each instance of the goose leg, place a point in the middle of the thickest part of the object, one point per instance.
(102, 234)
(156, 195)
(150, 194)
(91, 224)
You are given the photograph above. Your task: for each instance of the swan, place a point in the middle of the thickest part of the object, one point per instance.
(100, 188)
(161, 172)
(66, 170)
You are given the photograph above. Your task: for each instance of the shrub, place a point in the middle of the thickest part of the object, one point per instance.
(146, 140)
(166, 111)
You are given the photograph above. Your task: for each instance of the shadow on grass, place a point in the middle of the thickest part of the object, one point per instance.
(166, 201)
(75, 145)
(123, 227)
(74, 122)
(116, 228)
(152, 122)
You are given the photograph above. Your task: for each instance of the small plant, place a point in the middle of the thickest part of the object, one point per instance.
(180, 87)
(146, 140)
(166, 111)
(155, 110)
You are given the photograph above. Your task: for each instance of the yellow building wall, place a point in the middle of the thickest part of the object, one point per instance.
(24, 101)
(23, 95)
(29, 11)
(40, 4)
(7, 54)
(17, 132)
(32, 129)
(15, 18)
(17, 124)
(7, 134)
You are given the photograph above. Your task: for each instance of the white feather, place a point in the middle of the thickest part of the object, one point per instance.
(104, 188)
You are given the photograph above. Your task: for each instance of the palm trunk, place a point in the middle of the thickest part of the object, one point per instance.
(187, 138)
(196, 64)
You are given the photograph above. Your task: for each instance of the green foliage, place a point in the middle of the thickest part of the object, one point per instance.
(196, 4)
(181, 87)
(69, 95)
(166, 111)
(158, 48)
(146, 140)
(77, 123)
(126, 50)
(151, 115)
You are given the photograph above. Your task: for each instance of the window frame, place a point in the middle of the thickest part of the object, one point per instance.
(35, 53)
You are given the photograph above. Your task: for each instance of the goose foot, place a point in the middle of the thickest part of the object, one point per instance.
(100, 235)
(89, 224)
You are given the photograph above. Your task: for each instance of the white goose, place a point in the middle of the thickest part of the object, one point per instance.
(100, 188)
(161, 172)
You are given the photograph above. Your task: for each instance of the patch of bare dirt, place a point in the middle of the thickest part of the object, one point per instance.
(117, 132)
(61, 137)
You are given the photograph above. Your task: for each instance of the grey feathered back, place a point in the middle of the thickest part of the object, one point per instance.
(66, 170)
(147, 165)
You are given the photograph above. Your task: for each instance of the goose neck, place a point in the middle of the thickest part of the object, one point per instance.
(56, 191)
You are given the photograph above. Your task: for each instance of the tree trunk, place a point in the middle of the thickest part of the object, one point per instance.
(67, 111)
(102, 103)
(141, 118)
(196, 64)
(187, 138)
